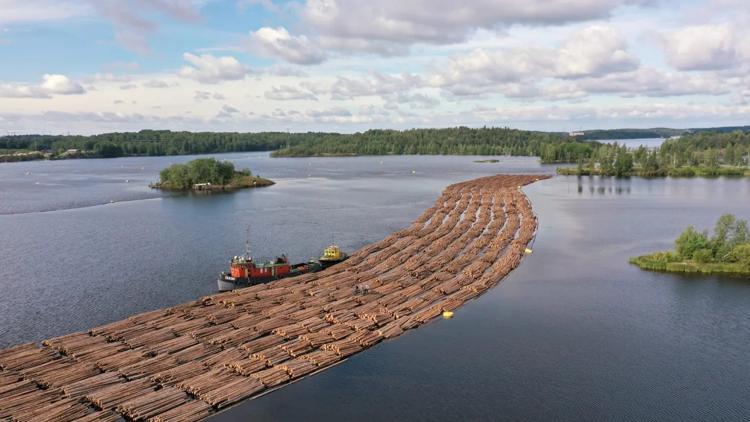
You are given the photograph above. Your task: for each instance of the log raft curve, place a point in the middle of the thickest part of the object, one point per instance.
(186, 362)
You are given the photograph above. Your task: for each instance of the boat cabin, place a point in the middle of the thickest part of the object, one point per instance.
(245, 267)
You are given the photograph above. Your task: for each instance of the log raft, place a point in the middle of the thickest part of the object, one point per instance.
(186, 362)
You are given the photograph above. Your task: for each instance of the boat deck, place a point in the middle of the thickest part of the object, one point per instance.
(186, 362)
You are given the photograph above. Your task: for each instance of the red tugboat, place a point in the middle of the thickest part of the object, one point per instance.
(244, 271)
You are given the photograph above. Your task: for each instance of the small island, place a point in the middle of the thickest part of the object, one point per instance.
(492, 160)
(726, 251)
(207, 175)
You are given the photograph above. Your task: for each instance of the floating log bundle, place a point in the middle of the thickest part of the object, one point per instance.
(187, 362)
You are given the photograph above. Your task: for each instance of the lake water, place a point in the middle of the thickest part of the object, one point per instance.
(575, 333)
(650, 143)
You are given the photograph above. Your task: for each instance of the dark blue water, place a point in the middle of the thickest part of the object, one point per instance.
(575, 333)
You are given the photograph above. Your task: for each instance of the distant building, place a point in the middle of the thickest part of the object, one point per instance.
(579, 133)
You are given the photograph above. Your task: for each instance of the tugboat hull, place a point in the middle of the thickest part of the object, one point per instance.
(225, 286)
(225, 282)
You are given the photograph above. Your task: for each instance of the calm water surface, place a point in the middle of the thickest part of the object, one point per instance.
(635, 143)
(575, 333)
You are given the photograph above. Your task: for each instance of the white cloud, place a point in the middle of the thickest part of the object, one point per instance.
(472, 73)
(226, 112)
(211, 69)
(703, 47)
(52, 84)
(286, 92)
(22, 91)
(60, 84)
(347, 88)
(655, 83)
(206, 95)
(280, 70)
(155, 83)
(29, 11)
(595, 50)
(413, 101)
(279, 43)
(135, 23)
(536, 64)
(375, 25)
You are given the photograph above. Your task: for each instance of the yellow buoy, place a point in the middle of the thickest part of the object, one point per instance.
(528, 251)
(447, 314)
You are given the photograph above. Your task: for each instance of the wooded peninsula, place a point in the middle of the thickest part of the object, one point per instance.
(703, 154)
(726, 251)
(209, 175)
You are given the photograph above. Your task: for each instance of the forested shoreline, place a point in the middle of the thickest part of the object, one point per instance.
(552, 147)
(147, 143)
(702, 153)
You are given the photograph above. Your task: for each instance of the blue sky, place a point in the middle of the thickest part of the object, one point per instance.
(91, 66)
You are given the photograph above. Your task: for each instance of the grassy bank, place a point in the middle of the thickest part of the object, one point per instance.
(727, 251)
(659, 262)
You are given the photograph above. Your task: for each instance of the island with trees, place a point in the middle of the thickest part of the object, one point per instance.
(726, 251)
(207, 175)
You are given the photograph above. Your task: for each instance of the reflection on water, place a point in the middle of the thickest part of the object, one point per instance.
(602, 190)
(650, 143)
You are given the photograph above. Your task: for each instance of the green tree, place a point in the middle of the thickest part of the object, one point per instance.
(703, 255)
(741, 233)
(741, 255)
(623, 162)
(721, 242)
(690, 241)
(107, 150)
(202, 170)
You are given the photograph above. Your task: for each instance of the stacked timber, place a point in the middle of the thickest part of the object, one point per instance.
(188, 412)
(153, 403)
(62, 410)
(89, 385)
(114, 395)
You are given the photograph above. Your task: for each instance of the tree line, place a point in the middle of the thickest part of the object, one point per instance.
(697, 154)
(550, 147)
(155, 143)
